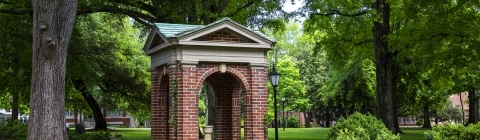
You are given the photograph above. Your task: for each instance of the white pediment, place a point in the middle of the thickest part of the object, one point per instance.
(154, 39)
(226, 26)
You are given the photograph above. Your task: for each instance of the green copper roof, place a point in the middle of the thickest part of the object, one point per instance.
(170, 30)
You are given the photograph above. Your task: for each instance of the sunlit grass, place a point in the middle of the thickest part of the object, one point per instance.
(288, 134)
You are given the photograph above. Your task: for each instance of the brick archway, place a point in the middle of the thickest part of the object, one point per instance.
(238, 76)
(227, 85)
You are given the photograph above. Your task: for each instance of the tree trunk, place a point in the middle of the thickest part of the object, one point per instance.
(384, 66)
(15, 92)
(53, 23)
(426, 116)
(463, 110)
(473, 107)
(15, 104)
(395, 113)
(100, 123)
(327, 119)
(307, 120)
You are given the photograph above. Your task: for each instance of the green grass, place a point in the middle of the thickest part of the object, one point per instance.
(288, 134)
(413, 133)
(133, 133)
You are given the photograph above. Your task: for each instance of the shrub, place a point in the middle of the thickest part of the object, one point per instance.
(292, 122)
(13, 130)
(454, 132)
(419, 122)
(360, 127)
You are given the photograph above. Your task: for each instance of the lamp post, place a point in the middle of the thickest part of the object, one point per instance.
(283, 111)
(274, 77)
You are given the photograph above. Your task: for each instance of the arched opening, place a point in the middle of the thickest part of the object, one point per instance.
(221, 94)
(161, 103)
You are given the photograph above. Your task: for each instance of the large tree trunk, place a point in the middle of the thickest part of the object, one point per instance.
(384, 66)
(53, 23)
(426, 116)
(473, 107)
(100, 123)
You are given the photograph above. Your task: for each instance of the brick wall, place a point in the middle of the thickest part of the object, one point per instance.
(226, 86)
(221, 36)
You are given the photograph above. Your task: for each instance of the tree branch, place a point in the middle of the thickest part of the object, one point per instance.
(138, 16)
(117, 10)
(139, 4)
(336, 12)
(243, 7)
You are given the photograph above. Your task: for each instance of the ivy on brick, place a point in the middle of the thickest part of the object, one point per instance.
(173, 120)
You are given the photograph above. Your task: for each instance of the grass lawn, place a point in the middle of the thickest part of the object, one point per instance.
(413, 133)
(288, 134)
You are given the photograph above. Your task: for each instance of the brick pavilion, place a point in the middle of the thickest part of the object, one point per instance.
(227, 55)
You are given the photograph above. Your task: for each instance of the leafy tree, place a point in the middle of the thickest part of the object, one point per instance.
(291, 85)
(401, 32)
(16, 64)
(107, 66)
(451, 113)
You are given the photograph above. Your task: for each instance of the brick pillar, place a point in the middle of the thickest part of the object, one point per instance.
(256, 105)
(159, 105)
(187, 121)
(236, 128)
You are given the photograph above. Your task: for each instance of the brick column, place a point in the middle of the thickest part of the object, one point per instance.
(236, 128)
(159, 105)
(187, 121)
(256, 105)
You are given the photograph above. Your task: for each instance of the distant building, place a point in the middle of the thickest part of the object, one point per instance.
(455, 99)
(113, 118)
(5, 114)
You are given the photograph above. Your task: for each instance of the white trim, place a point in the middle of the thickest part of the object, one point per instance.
(157, 48)
(225, 44)
(155, 31)
(239, 30)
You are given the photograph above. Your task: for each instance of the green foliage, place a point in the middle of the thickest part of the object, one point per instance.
(173, 119)
(101, 135)
(360, 126)
(451, 113)
(292, 122)
(419, 122)
(454, 132)
(13, 130)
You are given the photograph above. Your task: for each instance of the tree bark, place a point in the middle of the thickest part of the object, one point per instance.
(463, 110)
(53, 23)
(384, 66)
(426, 116)
(395, 113)
(15, 104)
(472, 107)
(100, 123)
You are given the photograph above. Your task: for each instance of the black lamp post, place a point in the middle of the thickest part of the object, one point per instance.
(283, 108)
(274, 77)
